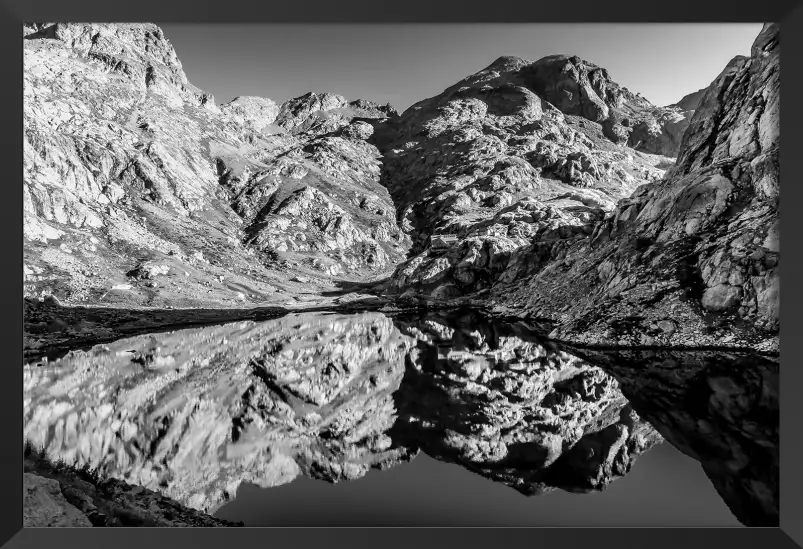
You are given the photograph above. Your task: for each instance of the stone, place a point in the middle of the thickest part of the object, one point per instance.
(258, 112)
(80, 500)
(668, 327)
(52, 301)
(57, 325)
(722, 297)
(43, 505)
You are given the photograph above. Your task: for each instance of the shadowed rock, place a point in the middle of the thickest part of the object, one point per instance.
(507, 157)
(43, 505)
(697, 250)
(719, 407)
(490, 397)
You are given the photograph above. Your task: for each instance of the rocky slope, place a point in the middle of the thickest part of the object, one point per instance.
(517, 153)
(44, 505)
(58, 495)
(691, 259)
(140, 191)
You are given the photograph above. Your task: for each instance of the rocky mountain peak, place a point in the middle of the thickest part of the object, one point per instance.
(506, 63)
(139, 52)
(735, 119)
(690, 101)
(579, 87)
(695, 252)
(518, 155)
(256, 111)
(127, 161)
(327, 112)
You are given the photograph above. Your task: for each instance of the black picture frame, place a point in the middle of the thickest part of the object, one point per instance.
(14, 12)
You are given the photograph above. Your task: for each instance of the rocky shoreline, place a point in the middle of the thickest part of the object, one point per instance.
(60, 495)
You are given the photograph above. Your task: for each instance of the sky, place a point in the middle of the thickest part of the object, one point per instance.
(405, 63)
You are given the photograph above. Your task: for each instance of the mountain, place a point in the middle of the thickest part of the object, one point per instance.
(140, 191)
(517, 153)
(691, 259)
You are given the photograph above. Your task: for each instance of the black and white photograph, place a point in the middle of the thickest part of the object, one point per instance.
(400, 274)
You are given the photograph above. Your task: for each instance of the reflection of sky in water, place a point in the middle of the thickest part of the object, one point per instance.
(664, 488)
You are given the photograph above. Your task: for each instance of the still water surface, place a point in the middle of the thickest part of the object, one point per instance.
(444, 418)
(664, 488)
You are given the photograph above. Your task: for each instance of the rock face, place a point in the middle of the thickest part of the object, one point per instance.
(692, 259)
(662, 134)
(194, 413)
(578, 87)
(44, 505)
(126, 162)
(258, 112)
(57, 494)
(690, 101)
(504, 158)
(719, 408)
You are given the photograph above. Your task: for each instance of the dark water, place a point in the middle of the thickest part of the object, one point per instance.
(664, 488)
(466, 421)
(720, 407)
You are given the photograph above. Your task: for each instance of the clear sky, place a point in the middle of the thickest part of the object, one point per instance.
(404, 63)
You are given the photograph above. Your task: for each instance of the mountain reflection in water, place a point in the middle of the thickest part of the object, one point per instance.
(196, 413)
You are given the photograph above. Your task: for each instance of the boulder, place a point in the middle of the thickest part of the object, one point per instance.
(43, 505)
